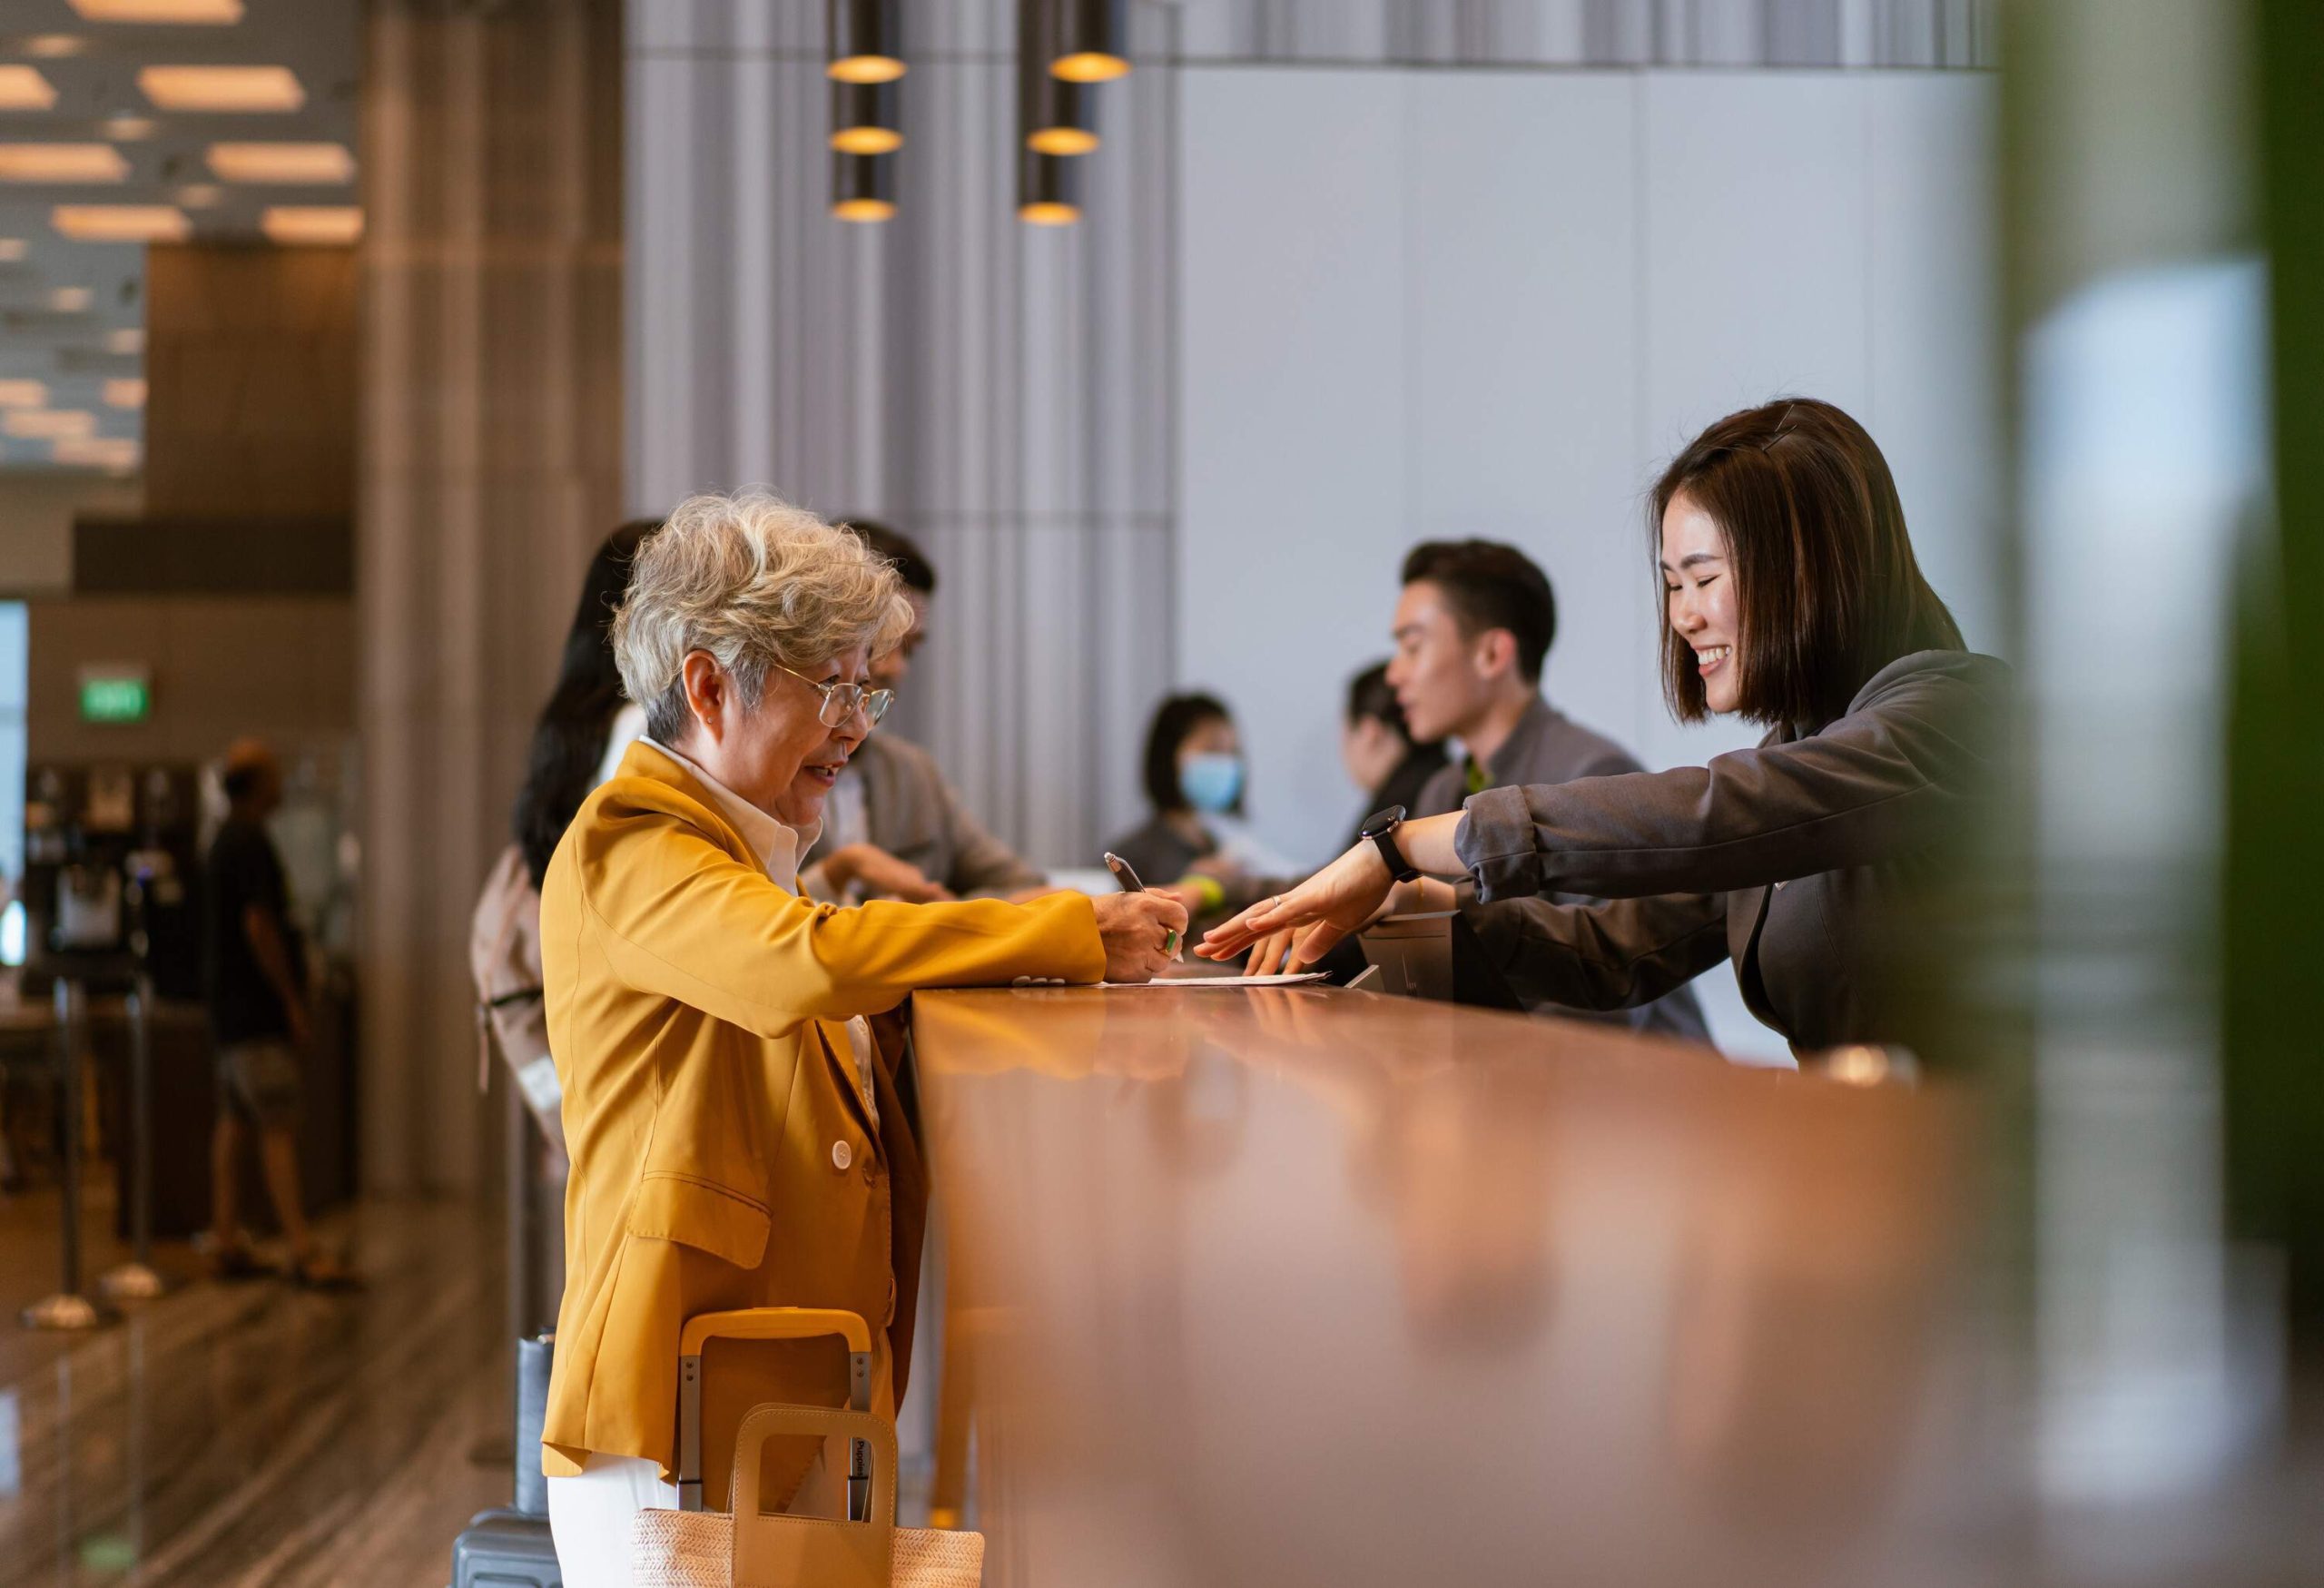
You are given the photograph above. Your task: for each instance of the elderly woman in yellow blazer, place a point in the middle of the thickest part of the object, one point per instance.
(734, 1127)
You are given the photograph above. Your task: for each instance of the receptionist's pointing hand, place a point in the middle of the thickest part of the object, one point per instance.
(1336, 901)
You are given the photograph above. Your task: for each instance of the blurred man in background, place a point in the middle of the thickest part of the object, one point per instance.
(893, 828)
(253, 979)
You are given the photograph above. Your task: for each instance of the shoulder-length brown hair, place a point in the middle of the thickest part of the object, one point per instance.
(1827, 588)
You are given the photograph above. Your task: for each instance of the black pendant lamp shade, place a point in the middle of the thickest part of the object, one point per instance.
(863, 187)
(863, 118)
(866, 41)
(1052, 113)
(1049, 189)
(1093, 42)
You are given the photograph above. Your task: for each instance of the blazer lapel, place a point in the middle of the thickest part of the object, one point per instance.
(839, 1054)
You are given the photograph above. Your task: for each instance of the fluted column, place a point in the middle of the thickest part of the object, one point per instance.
(489, 467)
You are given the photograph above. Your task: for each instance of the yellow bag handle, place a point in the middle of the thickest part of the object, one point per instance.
(762, 1323)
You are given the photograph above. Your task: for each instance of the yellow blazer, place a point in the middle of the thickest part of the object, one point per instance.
(722, 1153)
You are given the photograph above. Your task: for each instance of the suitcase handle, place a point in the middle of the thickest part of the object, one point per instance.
(764, 1323)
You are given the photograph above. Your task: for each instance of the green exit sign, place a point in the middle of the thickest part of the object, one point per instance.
(115, 695)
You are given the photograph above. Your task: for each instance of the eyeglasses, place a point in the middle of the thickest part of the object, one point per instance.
(842, 699)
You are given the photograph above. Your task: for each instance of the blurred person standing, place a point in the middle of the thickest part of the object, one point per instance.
(1377, 748)
(1473, 629)
(254, 981)
(894, 827)
(576, 740)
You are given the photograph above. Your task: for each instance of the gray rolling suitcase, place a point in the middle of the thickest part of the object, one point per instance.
(512, 1548)
(505, 1549)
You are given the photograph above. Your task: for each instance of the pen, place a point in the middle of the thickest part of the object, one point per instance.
(1127, 876)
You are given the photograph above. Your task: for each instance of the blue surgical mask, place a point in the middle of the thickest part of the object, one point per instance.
(1211, 783)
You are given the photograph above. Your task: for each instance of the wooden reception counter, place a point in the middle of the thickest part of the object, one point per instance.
(1300, 1285)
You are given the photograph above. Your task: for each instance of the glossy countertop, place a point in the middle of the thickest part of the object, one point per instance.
(1302, 1285)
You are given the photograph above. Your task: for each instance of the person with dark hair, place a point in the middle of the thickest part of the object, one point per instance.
(1791, 597)
(1194, 780)
(579, 733)
(1473, 628)
(893, 828)
(1376, 744)
(254, 979)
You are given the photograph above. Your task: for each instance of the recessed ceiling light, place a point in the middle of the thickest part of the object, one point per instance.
(222, 88)
(13, 249)
(54, 46)
(115, 452)
(24, 394)
(121, 222)
(220, 11)
(70, 300)
(200, 195)
(129, 338)
(312, 164)
(297, 223)
(125, 391)
(129, 129)
(23, 88)
(48, 424)
(76, 163)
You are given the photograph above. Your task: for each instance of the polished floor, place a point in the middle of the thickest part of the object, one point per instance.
(251, 1432)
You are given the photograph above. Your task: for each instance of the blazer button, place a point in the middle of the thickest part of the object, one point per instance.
(842, 1155)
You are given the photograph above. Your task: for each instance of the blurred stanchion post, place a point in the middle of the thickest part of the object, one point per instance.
(138, 1279)
(69, 1308)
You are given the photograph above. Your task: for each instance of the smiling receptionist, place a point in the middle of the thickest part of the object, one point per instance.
(1791, 597)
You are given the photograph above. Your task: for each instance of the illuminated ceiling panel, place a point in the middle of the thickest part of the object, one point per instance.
(240, 89)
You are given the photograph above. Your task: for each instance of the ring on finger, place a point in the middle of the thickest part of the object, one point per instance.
(1170, 941)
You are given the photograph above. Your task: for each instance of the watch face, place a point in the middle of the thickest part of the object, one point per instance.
(1380, 821)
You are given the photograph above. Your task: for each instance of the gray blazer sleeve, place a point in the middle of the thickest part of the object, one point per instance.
(1884, 780)
(1615, 955)
(982, 863)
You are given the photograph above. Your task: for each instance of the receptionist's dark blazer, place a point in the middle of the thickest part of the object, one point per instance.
(1805, 860)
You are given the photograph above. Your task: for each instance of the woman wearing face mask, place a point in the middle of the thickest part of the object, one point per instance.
(1791, 597)
(1194, 779)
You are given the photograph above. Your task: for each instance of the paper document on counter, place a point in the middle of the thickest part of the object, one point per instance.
(1285, 980)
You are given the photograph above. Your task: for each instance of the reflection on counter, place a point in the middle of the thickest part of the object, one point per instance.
(1304, 1286)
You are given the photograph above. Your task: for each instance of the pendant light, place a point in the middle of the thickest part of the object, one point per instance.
(1052, 113)
(866, 41)
(863, 118)
(1092, 41)
(1049, 189)
(863, 187)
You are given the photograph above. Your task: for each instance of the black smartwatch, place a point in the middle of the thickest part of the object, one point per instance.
(1381, 828)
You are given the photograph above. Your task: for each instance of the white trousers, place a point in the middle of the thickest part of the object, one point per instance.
(590, 1517)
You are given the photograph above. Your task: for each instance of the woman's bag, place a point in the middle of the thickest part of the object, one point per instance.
(707, 1549)
(692, 1548)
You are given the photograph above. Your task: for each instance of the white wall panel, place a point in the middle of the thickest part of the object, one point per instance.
(1524, 305)
(1292, 413)
(1757, 255)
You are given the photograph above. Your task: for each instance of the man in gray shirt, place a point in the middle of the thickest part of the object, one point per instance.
(892, 827)
(1472, 628)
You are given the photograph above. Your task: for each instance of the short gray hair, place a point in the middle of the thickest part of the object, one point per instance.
(749, 579)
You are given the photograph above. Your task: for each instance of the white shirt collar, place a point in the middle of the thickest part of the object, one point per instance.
(776, 846)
